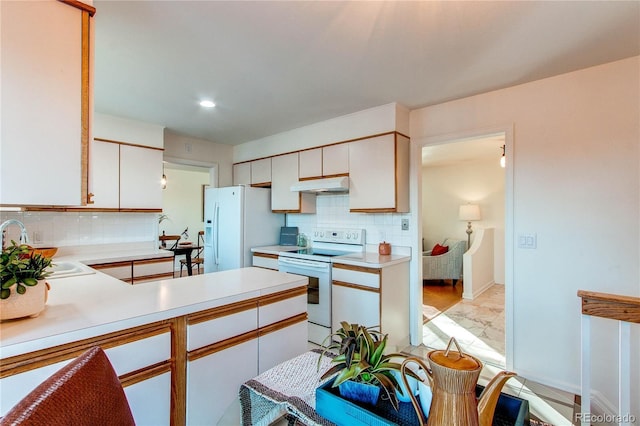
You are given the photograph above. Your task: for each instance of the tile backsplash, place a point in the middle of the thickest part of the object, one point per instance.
(84, 228)
(332, 211)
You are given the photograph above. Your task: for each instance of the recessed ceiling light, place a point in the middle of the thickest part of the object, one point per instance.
(207, 104)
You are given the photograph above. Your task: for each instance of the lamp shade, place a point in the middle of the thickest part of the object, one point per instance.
(469, 212)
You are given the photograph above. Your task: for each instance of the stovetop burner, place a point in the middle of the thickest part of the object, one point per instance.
(322, 252)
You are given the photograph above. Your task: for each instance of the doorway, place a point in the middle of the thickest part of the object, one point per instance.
(457, 170)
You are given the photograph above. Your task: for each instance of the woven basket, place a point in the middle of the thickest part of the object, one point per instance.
(29, 304)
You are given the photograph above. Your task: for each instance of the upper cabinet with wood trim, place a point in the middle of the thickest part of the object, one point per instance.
(45, 103)
(326, 161)
(242, 174)
(335, 160)
(379, 174)
(261, 174)
(310, 164)
(285, 174)
(125, 177)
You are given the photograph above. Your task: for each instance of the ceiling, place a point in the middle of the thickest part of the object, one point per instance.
(274, 66)
(464, 151)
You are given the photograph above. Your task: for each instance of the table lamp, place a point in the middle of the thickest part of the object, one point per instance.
(469, 213)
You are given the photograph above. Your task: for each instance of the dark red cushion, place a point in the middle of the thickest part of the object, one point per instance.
(438, 250)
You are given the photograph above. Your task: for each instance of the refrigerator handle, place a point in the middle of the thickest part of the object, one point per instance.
(216, 224)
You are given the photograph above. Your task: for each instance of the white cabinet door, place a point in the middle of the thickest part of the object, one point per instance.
(261, 173)
(285, 174)
(42, 82)
(213, 381)
(242, 174)
(104, 174)
(150, 400)
(281, 345)
(372, 173)
(310, 163)
(140, 174)
(335, 160)
(354, 306)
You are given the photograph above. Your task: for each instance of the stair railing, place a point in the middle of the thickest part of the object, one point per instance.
(626, 310)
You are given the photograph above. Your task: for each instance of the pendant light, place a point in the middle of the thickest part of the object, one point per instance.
(503, 159)
(163, 181)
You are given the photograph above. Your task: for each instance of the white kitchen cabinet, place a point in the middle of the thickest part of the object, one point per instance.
(150, 400)
(265, 260)
(284, 174)
(372, 297)
(125, 177)
(139, 270)
(261, 172)
(104, 175)
(45, 102)
(335, 160)
(242, 174)
(140, 174)
(211, 379)
(310, 163)
(379, 174)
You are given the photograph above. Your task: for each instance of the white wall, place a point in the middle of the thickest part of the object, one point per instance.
(575, 158)
(384, 118)
(446, 187)
(200, 152)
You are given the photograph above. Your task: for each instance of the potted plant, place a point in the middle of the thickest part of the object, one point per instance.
(22, 274)
(362, 364)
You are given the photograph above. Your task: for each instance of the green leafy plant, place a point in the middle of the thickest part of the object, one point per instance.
(361, 358)
(22, 267)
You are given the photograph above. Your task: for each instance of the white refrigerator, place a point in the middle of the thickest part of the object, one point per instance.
(237, 218)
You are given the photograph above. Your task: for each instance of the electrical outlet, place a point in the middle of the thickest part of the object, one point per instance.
(405, 224)
(187, 147)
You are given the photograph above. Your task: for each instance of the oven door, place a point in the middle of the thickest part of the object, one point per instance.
(318, 289)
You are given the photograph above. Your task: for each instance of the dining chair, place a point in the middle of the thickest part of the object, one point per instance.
(85, 392)
(197, 259)
(165, 241)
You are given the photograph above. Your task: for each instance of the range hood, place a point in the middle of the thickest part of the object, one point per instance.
(335, 184)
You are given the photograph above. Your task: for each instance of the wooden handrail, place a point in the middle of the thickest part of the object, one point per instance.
(613, 306)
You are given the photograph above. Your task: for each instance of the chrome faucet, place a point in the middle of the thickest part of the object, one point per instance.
(24, 238)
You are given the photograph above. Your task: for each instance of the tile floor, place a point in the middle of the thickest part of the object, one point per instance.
(478, 326)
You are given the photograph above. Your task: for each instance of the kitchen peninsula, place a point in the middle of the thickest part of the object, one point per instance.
(181, 347)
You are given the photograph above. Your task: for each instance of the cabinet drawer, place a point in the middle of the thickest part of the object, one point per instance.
(274, 310)
(119, 270)
(265, 260)
(368, 277)
(149, 351)
(202, 332)
(152, 269)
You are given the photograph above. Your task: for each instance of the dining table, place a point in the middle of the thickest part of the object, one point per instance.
(186, 250)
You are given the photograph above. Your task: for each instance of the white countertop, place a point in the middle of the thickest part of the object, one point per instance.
(90, 305)
(371, 259)
(274, 249)
(112, 254)
(367, 259)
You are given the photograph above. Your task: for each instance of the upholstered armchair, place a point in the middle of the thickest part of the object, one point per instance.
(447, 266)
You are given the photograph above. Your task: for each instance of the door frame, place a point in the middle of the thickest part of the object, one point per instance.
(416, 206)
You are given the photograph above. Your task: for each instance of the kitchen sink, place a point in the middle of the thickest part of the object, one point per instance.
(69, 269)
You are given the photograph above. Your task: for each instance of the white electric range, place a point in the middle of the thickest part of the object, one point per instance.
(314, 262)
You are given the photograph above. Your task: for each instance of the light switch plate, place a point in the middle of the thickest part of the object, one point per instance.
(405, 224)
(527, 241)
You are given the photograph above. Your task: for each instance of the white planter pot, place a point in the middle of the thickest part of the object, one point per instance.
(29, 304)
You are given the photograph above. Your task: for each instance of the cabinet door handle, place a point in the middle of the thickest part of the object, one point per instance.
(89, 198)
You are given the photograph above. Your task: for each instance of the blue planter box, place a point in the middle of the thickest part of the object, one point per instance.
(510, 411)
